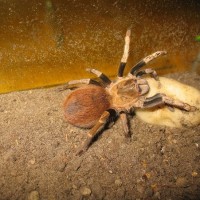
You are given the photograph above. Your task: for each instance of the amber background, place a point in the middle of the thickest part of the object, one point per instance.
(45, 43)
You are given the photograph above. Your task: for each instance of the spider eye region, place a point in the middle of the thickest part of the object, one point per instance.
(124, 93)
(128, 88)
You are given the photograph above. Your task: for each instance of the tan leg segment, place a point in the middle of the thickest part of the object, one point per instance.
(125, 54)
(124, 122)
(148, 71)
(178, 104)
(77, 83)
(101, 75)
(93, 132)
(162, 99)
(146, 60)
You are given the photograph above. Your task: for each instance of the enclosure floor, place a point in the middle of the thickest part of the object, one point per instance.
(37, 154)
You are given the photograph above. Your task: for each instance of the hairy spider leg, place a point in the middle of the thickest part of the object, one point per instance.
(161, 99)
(78, 83)
(125, 54)
(124, 121)
(93, 132)
(146, 60)
(148, 71)
(100, 75)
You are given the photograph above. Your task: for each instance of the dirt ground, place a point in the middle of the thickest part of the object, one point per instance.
(37, 154)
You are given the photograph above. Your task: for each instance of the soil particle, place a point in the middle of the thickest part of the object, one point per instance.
(85, 191)
(181, 182)
(32, 161)
(118, 182)
(34, 195)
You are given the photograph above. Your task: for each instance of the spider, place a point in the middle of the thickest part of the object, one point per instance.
(93, 103)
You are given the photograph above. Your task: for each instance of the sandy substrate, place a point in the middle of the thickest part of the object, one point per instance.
(37, 154)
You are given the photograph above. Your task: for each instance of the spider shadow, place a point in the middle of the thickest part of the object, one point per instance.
(111, 122)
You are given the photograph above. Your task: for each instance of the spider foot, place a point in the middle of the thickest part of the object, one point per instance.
(127, 135)
(128, 139)
(81, 152)
(62, 88)
(179, 104)
(84, 147)
(190, 108)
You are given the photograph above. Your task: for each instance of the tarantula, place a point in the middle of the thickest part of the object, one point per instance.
(92, 104)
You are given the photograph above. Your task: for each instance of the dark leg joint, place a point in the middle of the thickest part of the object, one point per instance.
(156, 100)
(135, 68)
(121, 69)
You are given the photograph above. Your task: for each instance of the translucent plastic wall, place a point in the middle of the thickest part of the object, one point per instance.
(48, 42)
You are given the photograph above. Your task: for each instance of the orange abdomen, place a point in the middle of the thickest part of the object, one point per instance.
(84, 106)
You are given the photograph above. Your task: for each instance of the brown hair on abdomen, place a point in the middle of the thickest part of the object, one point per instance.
(84, 106)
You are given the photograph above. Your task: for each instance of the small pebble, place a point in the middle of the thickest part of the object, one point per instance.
(17, 143)
(181, 182)
(146, 176)
(118, 182)
(174, 141)
(34, 195)
(74, 187)
(32, 161)
(85, 191)
(162, 150)
(194, 174)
